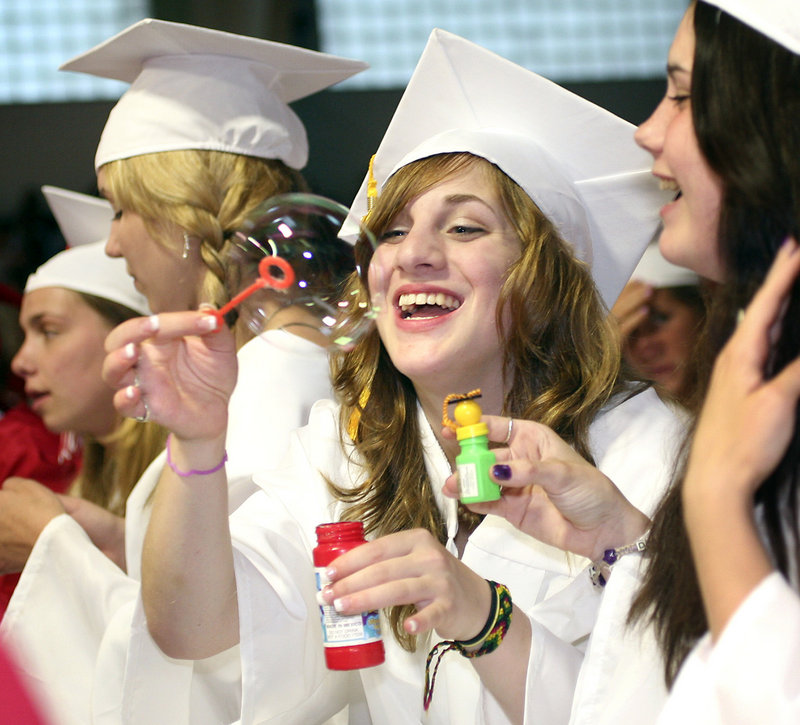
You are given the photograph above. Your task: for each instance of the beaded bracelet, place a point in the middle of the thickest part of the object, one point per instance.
(193, 471)
(486, 641)
(600, 570)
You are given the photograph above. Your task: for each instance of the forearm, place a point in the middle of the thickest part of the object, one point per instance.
(188, 582)
(504, 671)
(729, 556)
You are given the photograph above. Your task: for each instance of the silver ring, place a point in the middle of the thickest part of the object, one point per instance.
(146, 417)
(137, 384)
(510, 429)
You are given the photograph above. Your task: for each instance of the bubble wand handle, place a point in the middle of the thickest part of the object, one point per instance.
(265, 279)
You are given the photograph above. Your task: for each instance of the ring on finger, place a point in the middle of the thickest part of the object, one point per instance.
(510, 430)
(146, 417)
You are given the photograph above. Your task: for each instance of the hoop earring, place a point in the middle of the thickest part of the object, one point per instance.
(186, 246)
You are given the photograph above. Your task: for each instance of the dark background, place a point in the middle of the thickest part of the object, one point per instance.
(54, 143)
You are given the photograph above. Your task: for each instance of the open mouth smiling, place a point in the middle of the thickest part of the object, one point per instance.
(426, 305)
(670, 185)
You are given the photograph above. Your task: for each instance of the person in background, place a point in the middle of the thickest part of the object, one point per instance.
(69, 306)
(201, 139)
(482, 290)
(660, 314)
(27, 448)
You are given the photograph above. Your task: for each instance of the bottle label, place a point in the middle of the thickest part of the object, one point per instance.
(346, 631)
(467, 480)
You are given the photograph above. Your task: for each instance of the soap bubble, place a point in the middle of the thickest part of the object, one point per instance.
(287, 268)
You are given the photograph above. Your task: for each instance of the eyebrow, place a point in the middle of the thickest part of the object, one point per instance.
(673, 68)
(36, 319)
(454, 199)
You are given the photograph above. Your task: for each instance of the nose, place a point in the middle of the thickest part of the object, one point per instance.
(22, 363)
(644, 346)
(112, 244)
(420, 250)
(650, 134)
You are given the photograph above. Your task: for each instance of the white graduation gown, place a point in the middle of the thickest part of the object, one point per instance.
(284, 677)
(752, 673)
(71, 619)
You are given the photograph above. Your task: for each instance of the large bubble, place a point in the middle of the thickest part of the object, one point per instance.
(288, 267)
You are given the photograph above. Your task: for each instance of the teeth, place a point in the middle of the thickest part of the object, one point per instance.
(668, 185)
(409, 301)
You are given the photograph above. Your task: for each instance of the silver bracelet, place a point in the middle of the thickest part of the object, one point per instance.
(600, 570)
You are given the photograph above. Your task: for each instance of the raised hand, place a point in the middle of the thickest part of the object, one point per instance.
(747, 421)
(174, 368)
(553, 494)
(744, 429)
(631, 308)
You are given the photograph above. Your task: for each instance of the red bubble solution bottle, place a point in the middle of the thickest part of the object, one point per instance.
(352, 641)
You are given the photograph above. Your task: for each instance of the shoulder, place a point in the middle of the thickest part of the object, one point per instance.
(638, 415)
(636, 443)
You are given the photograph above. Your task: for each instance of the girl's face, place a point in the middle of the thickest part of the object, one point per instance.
(691, 221)
(661, 347)
(440, 265)
(170, 282)
(61, 362)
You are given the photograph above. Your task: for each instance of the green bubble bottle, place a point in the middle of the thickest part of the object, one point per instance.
(475, 459)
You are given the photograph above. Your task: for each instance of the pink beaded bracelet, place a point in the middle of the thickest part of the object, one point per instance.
(193, 471)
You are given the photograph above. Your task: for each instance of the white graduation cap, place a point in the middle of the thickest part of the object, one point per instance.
(195, 88)
(777, 19)
(656, 271)
(84, 267)
(577, 161)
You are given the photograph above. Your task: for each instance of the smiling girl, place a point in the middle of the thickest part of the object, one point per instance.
(481, 234)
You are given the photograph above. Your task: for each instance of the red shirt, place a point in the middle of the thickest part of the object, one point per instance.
(29, 450)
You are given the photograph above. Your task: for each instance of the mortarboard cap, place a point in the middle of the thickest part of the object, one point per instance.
(84, 267)
(656, 271)
(577, 161)
(196, 88)
(777, 19)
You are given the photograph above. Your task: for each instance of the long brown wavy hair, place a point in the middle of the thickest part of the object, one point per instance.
(745, 103)
(561, 360)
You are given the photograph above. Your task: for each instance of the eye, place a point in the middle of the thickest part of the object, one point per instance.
(392, 235)
(659, 318)
(680, 99)
(465, 232)
(48, 332)
(117, 216)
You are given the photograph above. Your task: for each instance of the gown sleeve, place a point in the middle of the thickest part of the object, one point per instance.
(751, 673)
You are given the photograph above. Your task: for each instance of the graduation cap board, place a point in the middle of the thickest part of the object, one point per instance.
(196, 88)
(577, 161)
(84, 267)
(777, 19)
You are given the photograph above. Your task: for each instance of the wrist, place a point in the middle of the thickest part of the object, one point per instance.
(197, 456)
(632, 526)
(600, 570)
